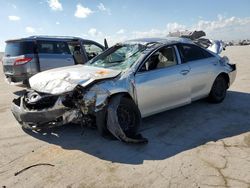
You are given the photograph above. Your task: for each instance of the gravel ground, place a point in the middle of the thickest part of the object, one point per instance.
(198, 145)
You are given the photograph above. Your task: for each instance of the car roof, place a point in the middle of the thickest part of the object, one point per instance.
(165, 40)
(44, 37)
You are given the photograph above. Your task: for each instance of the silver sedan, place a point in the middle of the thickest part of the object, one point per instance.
(130, 80)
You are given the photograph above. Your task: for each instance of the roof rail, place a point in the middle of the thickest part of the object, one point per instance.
(50, 36)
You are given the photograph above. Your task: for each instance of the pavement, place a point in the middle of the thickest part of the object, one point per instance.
(198, 145)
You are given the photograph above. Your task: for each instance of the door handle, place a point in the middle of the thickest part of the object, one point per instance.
(184, 72)
(68, 59)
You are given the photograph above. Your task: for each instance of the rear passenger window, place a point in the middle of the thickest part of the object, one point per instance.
(52, 47)
(191, 52)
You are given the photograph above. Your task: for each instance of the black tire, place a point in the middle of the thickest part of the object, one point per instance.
(219, 90)
(129, 117)
(128, 105)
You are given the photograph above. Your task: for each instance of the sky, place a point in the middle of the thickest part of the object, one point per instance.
(119, 20)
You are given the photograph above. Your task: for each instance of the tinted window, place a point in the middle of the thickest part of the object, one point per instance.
(19, 48)
(52, 47)
(92, 50)
(191, 52)
(165, 57)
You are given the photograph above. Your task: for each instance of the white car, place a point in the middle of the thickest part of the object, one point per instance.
(128, 81)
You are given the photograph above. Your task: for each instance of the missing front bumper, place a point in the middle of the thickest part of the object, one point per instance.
(57, 115)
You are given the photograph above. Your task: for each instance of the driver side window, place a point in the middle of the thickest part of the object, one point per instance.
(163, 58)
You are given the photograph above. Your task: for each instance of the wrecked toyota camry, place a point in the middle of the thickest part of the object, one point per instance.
(128, 81)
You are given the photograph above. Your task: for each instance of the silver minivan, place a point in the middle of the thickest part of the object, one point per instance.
(27, 56)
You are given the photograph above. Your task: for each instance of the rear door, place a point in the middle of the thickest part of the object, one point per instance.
(53, 54)
(202, 69)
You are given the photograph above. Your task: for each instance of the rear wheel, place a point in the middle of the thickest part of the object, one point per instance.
(219, 90)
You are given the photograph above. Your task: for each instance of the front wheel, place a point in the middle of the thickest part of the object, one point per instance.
(129, 116)
(219, 90)
(121, 112)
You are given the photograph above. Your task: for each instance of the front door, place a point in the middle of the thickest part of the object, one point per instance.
(162, 82)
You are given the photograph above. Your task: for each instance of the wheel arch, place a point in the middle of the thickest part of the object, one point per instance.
(123, 93)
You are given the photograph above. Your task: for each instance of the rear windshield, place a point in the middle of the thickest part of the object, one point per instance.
(19, 48)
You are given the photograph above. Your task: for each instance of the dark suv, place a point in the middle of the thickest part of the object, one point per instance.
(27, 56)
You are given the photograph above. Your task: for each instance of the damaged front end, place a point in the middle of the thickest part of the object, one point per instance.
(86, 106)
(35, 110)
(83, 94)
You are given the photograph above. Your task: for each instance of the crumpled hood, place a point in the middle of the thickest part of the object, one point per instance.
(65, 79)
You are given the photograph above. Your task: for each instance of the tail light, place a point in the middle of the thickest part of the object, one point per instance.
(22, 61)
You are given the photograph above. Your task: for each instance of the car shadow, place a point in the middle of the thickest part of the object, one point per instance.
(169, 133)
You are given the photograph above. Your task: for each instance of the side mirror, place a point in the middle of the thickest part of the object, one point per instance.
(106, 44)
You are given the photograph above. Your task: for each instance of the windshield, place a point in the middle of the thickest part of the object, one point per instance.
(119, 56)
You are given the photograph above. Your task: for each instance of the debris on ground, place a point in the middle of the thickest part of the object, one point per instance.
(39, 164)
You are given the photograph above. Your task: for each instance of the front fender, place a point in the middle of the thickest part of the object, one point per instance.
(125, 85)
